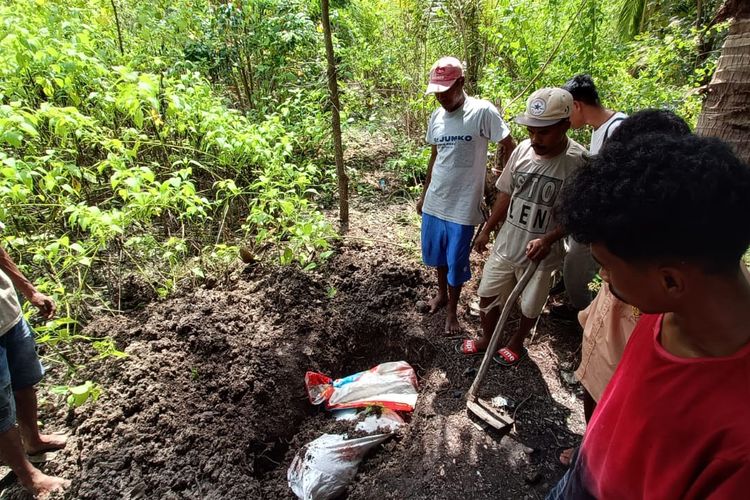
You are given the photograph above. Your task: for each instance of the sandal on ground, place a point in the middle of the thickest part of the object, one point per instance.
(506, 357)
(468, 347)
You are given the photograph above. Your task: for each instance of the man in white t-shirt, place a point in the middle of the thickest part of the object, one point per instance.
(20, 371)
(527, 191)
(459, 132)
(579, 267)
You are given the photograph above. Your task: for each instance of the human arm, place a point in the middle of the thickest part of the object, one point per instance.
(430, 164)
(42, 302)
(539, 248)
(497, 215)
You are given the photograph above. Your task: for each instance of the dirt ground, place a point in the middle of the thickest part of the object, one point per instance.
(210, 402)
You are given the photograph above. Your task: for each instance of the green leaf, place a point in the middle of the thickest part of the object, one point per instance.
(12, 137)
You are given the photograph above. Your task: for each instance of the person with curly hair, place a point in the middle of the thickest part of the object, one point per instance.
(667, 220)
(608, 322)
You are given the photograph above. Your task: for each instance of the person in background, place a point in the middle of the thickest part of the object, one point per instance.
(579, 268)
(450, 205)
(608, 322)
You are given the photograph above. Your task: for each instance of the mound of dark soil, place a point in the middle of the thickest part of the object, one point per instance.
(210, 402)
(213, 388)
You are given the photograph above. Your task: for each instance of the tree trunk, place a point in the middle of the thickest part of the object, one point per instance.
(119, 31)
(244, 77)
(726, 110)
(333, 89)
(473, 46)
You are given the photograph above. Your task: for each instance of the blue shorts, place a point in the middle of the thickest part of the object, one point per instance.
(447, 244)
(20, 368)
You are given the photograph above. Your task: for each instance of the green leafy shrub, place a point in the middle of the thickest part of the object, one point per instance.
(114, 165)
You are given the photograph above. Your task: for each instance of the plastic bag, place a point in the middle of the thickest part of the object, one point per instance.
(392, 385)
(324, 467)
(383, 421)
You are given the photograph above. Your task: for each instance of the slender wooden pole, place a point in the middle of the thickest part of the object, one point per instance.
(333, 90)
(119, 31)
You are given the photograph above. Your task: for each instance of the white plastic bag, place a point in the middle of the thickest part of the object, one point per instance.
(322, 469)
(392, 385)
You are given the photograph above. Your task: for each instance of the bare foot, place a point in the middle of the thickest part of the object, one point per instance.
(41, 485)
(437, 302)
(452, 325)
(566, 457)
(482, 343)
(47, 442)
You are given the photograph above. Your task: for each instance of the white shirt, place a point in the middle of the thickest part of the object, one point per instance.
(461, 137)
(604, 131)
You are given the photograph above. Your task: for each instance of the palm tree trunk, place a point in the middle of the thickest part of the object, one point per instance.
(726, 110)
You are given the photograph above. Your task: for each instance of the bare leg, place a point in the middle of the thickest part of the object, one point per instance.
(451, 320)
(13, 455)
(441, 299)
(26, 414)
(515, 343)
(488, 320)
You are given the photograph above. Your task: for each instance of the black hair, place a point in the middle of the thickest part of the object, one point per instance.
(582, 88)
(649, 121)
(662, 198)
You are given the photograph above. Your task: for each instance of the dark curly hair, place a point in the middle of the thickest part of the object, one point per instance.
(582, 88)
(648, 121)
(663, 198)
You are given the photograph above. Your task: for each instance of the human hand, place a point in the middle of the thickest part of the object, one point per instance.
(480, 243)
(420, 202)
(537, 249)
(44, 303)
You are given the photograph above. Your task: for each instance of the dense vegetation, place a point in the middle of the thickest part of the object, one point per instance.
(142, 142)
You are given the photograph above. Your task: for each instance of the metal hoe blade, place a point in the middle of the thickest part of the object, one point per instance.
(483, 410)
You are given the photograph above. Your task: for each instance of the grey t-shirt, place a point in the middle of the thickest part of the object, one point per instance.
(461, 137)
(533, 184)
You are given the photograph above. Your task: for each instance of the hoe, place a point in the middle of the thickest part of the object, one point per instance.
(481, 408)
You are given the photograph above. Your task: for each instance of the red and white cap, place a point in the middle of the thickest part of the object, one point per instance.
(444, 74)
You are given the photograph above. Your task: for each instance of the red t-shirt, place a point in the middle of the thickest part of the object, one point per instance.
(668, 427)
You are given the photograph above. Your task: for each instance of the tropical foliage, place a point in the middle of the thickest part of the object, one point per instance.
(144, 142)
